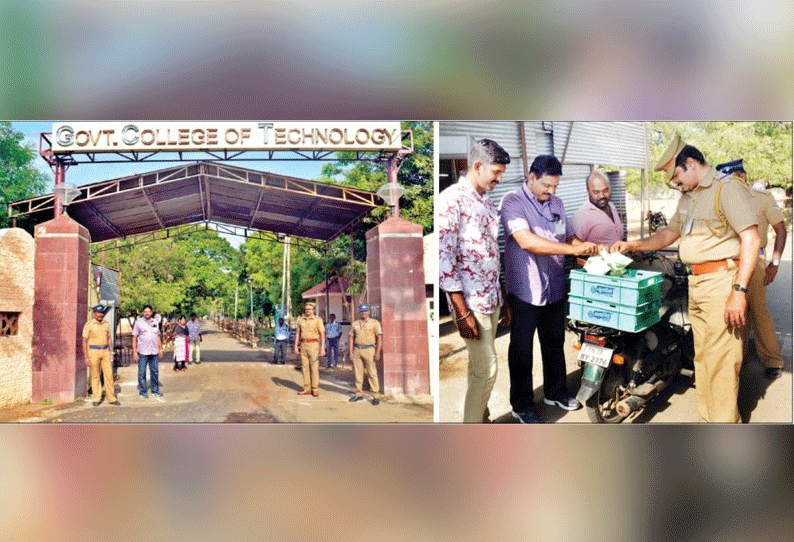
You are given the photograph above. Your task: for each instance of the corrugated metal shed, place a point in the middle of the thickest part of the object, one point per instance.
(620, 144)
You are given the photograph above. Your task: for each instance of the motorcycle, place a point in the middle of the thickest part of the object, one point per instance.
(623, 371)
(656, 221)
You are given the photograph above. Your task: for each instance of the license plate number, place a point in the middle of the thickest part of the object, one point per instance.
(597, 355)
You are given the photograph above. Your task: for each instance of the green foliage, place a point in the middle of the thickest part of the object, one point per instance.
(189, 273)
(310, 266)
(415, 174)
(19, 178)
(765, 147)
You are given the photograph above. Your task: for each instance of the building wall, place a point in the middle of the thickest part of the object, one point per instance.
(17, 250)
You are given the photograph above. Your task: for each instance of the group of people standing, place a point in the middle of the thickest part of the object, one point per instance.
(717, 221)
(365, 346)
(147, 348)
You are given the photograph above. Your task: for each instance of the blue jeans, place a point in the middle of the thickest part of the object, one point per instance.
(332, 353)
(153, 361)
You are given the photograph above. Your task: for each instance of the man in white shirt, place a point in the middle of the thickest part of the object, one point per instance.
(468, 257)
(333, 330)
(282, 337)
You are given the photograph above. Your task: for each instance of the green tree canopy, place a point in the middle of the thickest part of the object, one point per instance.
(765, 147)
(310, 266)
(19, 178)
(189, 273)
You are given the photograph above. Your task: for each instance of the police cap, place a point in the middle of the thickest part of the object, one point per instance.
(731, 167)
(363, 308)
(99, 308)
(675, 147)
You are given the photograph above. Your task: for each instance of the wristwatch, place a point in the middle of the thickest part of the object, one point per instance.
(776, 262)
(739, 288)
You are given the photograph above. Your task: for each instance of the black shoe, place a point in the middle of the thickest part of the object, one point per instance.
(565, 403)
(375, 401)
(96, 403)
(355, 398)
(115, 403)
(527, 417)
(773, 373)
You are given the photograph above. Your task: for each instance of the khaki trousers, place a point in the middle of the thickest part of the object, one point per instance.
(482, 367)
(310, 365)
(766, 344)
(195, 352)
(100, 361)
(718, 348)
(364, 360)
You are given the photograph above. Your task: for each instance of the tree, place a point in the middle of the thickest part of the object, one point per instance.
(765, 147)
(19, 178)
(187, 273)
(415, 174)
(311, 266)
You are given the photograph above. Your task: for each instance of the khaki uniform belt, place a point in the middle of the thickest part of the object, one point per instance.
(710, 267)
(95, 347)
(365, 346)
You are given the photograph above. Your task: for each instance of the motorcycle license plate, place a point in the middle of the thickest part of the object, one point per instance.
(597, 355)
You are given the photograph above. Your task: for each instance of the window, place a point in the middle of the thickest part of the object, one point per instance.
(9, 323)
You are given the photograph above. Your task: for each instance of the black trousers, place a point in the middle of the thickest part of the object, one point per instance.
(549, 320)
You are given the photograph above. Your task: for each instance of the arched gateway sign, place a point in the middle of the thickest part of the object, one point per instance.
(225, 194)
(223, 136)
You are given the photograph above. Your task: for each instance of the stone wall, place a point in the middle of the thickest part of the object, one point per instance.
(16, 332)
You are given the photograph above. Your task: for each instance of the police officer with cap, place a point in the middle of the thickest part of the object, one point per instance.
(96, 349)
(309, 345)
(719, 244)
(767, 212)
(365, 347)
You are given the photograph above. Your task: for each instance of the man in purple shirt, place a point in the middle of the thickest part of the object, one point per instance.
(537, 237)
(597, 219)
(146, 350)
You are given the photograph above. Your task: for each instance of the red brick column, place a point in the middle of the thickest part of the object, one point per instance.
(60, 310)
(396, 290)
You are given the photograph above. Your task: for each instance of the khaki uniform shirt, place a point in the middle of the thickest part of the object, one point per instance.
(768, 213)
(696, 217)
(310, 328)
(366, 332)
(96, 333)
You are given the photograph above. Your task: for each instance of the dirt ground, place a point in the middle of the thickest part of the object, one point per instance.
(234, 383)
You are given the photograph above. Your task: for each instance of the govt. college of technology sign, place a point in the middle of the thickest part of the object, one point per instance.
(89, 137)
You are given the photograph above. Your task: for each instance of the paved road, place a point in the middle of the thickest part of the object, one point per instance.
(760, 400)
(234, 383)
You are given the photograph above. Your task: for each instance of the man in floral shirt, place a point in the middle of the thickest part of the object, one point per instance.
(468, 228)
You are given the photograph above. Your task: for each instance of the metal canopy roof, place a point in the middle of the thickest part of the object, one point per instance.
(209, 192)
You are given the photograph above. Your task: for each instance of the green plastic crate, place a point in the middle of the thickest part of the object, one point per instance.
(614, 316)
(635, 288)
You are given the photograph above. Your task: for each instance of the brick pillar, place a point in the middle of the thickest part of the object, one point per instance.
(60, 310)
(396, 290)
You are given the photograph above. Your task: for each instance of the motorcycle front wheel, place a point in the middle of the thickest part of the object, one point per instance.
(601, 407)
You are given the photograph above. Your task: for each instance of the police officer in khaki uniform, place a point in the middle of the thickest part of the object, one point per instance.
(719, 244)
(96, 348)
(310, 345)
(365, 347)
(768, 212)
